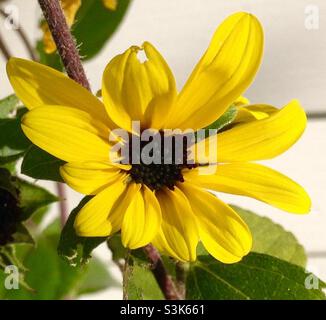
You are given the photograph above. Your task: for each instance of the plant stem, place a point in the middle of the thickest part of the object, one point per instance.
(64, 41)
(70, 58)
(161, 275)
(125, 276)
(4, 49)
(61, 191)
(181, 270)
(24, 38)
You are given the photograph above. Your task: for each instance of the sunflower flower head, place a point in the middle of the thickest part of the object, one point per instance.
(160, 202)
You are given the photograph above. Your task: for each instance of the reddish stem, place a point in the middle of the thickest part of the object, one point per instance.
(64, 41)
(163, 279)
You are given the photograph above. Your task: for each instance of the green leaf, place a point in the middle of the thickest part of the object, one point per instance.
(140, 283)
(272, 239)
(18, 201)
(115, 245)
(95, 25)
(51, 277)
(39, 164)
(32, 198)
(13, 142)
(39, 215)
(22, 235)
(257, 276)
(6, 182)
(7, 105)
(10, 166)
(226, 119)
(74, 249)
(96, 279)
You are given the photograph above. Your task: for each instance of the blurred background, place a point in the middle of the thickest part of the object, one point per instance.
(294, 66)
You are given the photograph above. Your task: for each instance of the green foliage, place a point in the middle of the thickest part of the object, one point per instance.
(139, 281)
(271, 238)
(141, 284)
(52, 60)
(18, 201)
(257, 276)
(39, 164)
(74, 249)
(51, 277)
(226, 119)
(95, 25)
(22, 235)
(6, 182)
(8, 257)
(114, 243)
(10, 166)
(96, 278)
(32, 198)
(7, 105)
(13, 142)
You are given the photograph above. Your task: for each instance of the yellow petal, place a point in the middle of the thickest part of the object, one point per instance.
(257, 140)
(48, 42)
(110, 4)
(102, 215)
(36, 84)
(255, 181)
(223, 233)
(223, 73)
(91, 177)
(142, 220)
(70, 8)
(135, 90)
(254, 112)
(178, 236)
(241, 101)
(67, 133)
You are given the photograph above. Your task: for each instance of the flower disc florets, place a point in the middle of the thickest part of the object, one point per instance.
(168, 158)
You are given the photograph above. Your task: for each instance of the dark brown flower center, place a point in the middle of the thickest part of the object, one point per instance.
(168, 158)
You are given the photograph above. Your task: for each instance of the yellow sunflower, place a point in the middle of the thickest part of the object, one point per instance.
(70, 8)
(167, 205)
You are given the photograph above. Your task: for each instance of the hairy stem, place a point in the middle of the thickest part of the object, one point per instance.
(181, 270)
(161, 275)
(70, 58)
(4, 49)
(64, 41)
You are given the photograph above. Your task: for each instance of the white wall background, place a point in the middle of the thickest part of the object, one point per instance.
(294, 66)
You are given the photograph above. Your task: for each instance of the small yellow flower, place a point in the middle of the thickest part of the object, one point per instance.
(110, 4)
(167, 206)
(70, 8)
